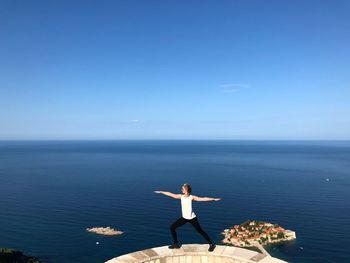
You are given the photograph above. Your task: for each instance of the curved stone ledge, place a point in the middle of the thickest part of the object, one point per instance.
(196, 253)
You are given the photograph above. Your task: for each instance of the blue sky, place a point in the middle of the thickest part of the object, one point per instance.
(175, 69)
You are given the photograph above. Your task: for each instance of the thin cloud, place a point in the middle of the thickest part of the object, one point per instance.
(135, 121)
(232, 87)
(124, 122)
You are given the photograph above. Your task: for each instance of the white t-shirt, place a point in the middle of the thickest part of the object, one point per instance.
(186, 207)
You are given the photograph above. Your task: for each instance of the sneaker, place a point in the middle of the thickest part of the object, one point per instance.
(211, 247)
(174, 246)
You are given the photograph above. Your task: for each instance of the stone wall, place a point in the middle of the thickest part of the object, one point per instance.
(195, 253)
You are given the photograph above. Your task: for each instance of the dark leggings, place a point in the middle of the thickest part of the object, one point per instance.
(194, 222)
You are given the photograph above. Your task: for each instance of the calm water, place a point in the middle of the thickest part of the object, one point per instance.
(51, 191)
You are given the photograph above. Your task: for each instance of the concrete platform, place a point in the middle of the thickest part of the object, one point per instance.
(197, 253)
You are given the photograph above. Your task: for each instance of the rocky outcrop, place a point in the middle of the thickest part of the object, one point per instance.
(106, 231)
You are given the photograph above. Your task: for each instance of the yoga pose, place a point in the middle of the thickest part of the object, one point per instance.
(187, 214)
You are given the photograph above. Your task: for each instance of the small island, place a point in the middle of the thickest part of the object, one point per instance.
(251, 232)
(107, 231)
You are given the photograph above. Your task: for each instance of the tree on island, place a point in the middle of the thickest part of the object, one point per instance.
(263, 239)
(280, 235)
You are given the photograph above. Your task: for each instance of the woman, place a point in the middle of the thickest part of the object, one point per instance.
(187, 214)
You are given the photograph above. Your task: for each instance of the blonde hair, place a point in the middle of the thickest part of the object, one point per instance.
(187, 187)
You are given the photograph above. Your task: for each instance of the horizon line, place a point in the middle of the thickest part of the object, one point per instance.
(169, 139)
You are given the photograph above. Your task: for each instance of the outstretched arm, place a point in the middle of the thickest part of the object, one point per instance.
(204, 199)
(176, 196)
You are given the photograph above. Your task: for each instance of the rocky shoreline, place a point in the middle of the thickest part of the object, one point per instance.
(8, 255)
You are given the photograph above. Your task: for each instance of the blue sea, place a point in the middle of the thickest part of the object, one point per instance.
(51, 191)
